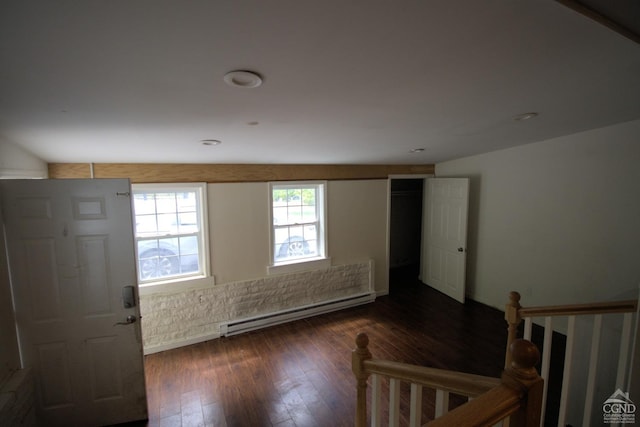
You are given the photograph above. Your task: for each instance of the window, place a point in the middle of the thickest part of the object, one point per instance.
(170, 231)
(297, 222)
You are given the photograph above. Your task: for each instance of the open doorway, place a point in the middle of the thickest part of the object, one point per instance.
(405, 231)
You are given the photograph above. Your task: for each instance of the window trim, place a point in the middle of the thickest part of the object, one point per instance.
(322, 259)
(183, 282)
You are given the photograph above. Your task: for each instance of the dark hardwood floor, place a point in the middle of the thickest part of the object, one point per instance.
(299, 374)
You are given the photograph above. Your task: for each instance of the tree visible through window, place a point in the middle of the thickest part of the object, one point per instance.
(297, 221)
(169, 231)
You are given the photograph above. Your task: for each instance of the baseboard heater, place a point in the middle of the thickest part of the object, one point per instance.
(262, 321)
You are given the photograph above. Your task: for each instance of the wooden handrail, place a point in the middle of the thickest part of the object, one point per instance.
(451, 381)
(519, 396)
(493, 406)
(518, 393)
(514, 313)
(627, 306)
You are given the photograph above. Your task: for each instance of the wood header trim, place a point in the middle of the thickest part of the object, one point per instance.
(216, 173)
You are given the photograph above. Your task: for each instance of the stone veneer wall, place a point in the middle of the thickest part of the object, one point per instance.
(17, 400)
(170, 320)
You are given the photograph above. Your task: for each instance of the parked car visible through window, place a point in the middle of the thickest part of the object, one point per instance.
(169, 231)
(297, 213)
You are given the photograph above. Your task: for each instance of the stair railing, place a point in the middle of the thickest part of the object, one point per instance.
(515, 313)
(518, 394)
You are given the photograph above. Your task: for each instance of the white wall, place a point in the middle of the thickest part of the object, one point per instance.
(239, 228)
(558, 221)
(357, 222)
(15, 162)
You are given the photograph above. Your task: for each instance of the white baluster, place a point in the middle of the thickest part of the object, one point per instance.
(566, 378)
(593, 369)
(394, 402)
(625, 340)
(376, 392)
(442, 402)
(415, 415)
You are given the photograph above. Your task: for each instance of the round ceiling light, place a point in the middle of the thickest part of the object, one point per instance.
(525, 116)
(211, 142)
(243, 78)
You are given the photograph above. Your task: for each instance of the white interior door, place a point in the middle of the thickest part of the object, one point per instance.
(71, 253)
(444, 235)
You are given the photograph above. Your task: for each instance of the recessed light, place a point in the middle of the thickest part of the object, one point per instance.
(416, 150)
(243, 78)
(525, 116)
(211, 142)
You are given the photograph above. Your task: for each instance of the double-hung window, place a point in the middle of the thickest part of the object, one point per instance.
(298, 232)
(170, 231)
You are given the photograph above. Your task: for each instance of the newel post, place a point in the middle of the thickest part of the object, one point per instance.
(358, 356)
(512, 316)
(523, 377)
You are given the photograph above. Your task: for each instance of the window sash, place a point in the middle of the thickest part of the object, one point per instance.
(313, 246)
(172, 254)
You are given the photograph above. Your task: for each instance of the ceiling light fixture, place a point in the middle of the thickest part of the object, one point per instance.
(525, 116)
(416, 150)
(210, 142)
(243, 79)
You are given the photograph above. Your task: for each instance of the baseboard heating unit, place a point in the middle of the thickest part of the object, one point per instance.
(262, 321)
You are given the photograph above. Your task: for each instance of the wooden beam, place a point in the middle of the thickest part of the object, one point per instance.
(150, 173)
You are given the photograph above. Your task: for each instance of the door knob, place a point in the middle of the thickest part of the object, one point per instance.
(129, 320)
(460, 249)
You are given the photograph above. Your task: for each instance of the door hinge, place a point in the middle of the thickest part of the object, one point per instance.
(127, 194)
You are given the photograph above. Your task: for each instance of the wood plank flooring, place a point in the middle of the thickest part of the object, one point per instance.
(299, 374)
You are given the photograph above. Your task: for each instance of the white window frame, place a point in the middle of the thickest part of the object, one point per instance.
(201, 278)
(321, 260)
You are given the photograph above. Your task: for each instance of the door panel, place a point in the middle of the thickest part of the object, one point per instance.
(94, 262)
(55, 379)
(71, 251)
(445, 235)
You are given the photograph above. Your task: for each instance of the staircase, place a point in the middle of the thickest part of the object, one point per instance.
(518, 398)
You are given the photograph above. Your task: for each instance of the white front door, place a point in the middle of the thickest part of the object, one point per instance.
(444, 235)
(71, 255)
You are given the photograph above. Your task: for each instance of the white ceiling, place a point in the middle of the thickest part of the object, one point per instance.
(345, 82)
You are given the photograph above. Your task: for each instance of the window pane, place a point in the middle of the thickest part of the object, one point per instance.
(189, 254)
(279, 197)
(188, 245)
(144, 203)
(165, 202)
(294, 196)
(309, 214)
(188, 222)
(310, 237)
(186, 202)
(293, 247)
(280, 215)
(294, 214)
(146, 225)
(157, 258)
(281, 235)
(167, 223)
(295, 231)
(309, 196)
